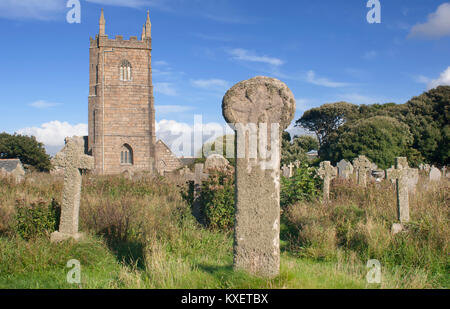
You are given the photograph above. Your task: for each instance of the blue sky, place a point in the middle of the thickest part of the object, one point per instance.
(325, 51)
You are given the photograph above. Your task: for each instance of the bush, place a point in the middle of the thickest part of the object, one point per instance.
(37, 219)
(304, 185)
(217, 200)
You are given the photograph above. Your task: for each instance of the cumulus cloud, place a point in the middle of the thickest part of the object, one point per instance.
(369, 55)
(437, 25)
(42, 104)
(443, 79)
(53, 133)
(245, 55)
(165, 88)
(187, 139)
(322, 81)
(33, 9)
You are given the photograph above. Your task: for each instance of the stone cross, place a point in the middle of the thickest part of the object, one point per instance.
(400, 174)
(267, 104)
(73, 160)
(327, 172)
(362, 165)
(291, 169)
(435, 174)
(345, 169)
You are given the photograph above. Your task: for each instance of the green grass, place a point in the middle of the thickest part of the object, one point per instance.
(204, 262)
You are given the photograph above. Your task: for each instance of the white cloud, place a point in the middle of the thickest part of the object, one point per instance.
(210, 83)
(167, 109)
(245, 55)
(443, 79)
(53, 133)
(165, 88)
(160, 63)
(33, 9)
(179, 136)
(357, 98)
(437, 25)
(322, 81)
(42, 104)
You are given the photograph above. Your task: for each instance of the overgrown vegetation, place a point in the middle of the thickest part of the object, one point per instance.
(141, 234)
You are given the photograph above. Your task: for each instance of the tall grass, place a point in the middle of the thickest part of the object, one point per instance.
(141, 234)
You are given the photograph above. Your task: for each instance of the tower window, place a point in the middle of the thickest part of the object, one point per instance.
(125, 70)
(126, 155)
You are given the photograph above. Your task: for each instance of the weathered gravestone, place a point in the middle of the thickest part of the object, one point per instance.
(285, 171)
(362, 165)
(259, 110)
(73, 160)
(400, 174)
(297, 163)
(216, 162)
(413, 179)
(435, 174)
(345, 169)
(327, 172)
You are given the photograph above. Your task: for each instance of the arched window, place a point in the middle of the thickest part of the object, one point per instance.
(125, 70)
(126, 155)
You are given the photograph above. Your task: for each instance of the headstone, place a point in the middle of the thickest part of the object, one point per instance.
(435, 174)
(291, 169)
(297, 164)
(400, 174)
(362, 166)
(285, 171)
(413, 179)
(73, 160)
(268, 105)
(345, 169)
(216, 162)
(327, 172)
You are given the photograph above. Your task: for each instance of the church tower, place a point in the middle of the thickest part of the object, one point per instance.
(121, 103)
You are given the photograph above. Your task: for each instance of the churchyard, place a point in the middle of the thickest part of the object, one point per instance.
(254, 224)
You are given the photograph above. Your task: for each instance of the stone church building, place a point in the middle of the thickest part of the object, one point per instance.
(122, 135)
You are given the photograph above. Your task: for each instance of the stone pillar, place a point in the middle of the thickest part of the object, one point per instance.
(400, 174)
(327, 172)
(73, 160)
(258, 110)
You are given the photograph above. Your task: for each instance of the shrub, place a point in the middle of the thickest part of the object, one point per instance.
(304, 185)
(37, 219)
(217, 199)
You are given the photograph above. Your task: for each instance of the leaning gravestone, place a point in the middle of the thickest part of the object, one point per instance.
(216, 162)
(266, 104)
(400, 174)
(73, 160)
(362, 165)
(328, 172)
(435, 174)
(345, 169)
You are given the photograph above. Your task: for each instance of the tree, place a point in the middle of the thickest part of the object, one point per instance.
(306, 142)
(326, 119)
(25, 148)
(380, 138)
